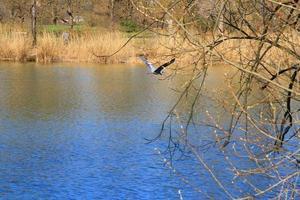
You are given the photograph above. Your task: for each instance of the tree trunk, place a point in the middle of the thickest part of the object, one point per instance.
(54, 14)
(70, 13)
(129, 10)
(33, 23)
(112, 11)
(220, 19)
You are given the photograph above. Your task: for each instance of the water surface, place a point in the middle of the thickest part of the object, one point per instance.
(79, 133)
(73, 132)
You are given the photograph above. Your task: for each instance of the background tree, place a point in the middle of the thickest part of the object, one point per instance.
(18, 10)
(33, 22)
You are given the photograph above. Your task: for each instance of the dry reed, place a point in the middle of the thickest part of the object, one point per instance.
(82, 47)
(52, 48)
(15, 44)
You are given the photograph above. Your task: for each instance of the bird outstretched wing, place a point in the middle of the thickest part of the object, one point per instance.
(149, 64)
(168, 63)
(160, 68)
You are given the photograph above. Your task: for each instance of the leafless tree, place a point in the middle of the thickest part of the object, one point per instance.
(260, 41)
(33, 22)
(70, 12)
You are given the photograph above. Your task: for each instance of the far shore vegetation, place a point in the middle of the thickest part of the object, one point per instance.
(96, 30)
(84, 44)
(94, 44)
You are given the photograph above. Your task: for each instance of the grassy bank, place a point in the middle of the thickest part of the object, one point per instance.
(82, 47)
(85, 43)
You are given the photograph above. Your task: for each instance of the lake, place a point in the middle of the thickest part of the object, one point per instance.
(79, 132)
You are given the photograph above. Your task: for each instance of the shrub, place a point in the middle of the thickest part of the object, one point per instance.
(129, 26)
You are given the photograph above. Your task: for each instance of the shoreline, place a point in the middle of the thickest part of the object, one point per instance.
(131, 60)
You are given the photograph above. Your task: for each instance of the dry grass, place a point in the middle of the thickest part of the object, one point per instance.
(83, 47)
(15, 44)
(15, 47)
(51, 48)
(246, 50)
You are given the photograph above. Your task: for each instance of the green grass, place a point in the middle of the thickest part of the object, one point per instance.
(129, 26)
(59, 28)
(78, 28)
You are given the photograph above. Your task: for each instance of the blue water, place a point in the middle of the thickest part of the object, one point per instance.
(72, 132)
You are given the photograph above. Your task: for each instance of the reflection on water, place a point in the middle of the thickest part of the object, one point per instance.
(57, 91)
(71, 132)
(78, 132)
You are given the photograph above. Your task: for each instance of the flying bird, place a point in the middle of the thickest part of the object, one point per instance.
(153, 69)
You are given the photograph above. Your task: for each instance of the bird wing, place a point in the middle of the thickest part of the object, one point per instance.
(160, 68)
(149, 64)
(168, 63)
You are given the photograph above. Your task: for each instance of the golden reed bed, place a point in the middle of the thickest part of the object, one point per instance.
(16, 46)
